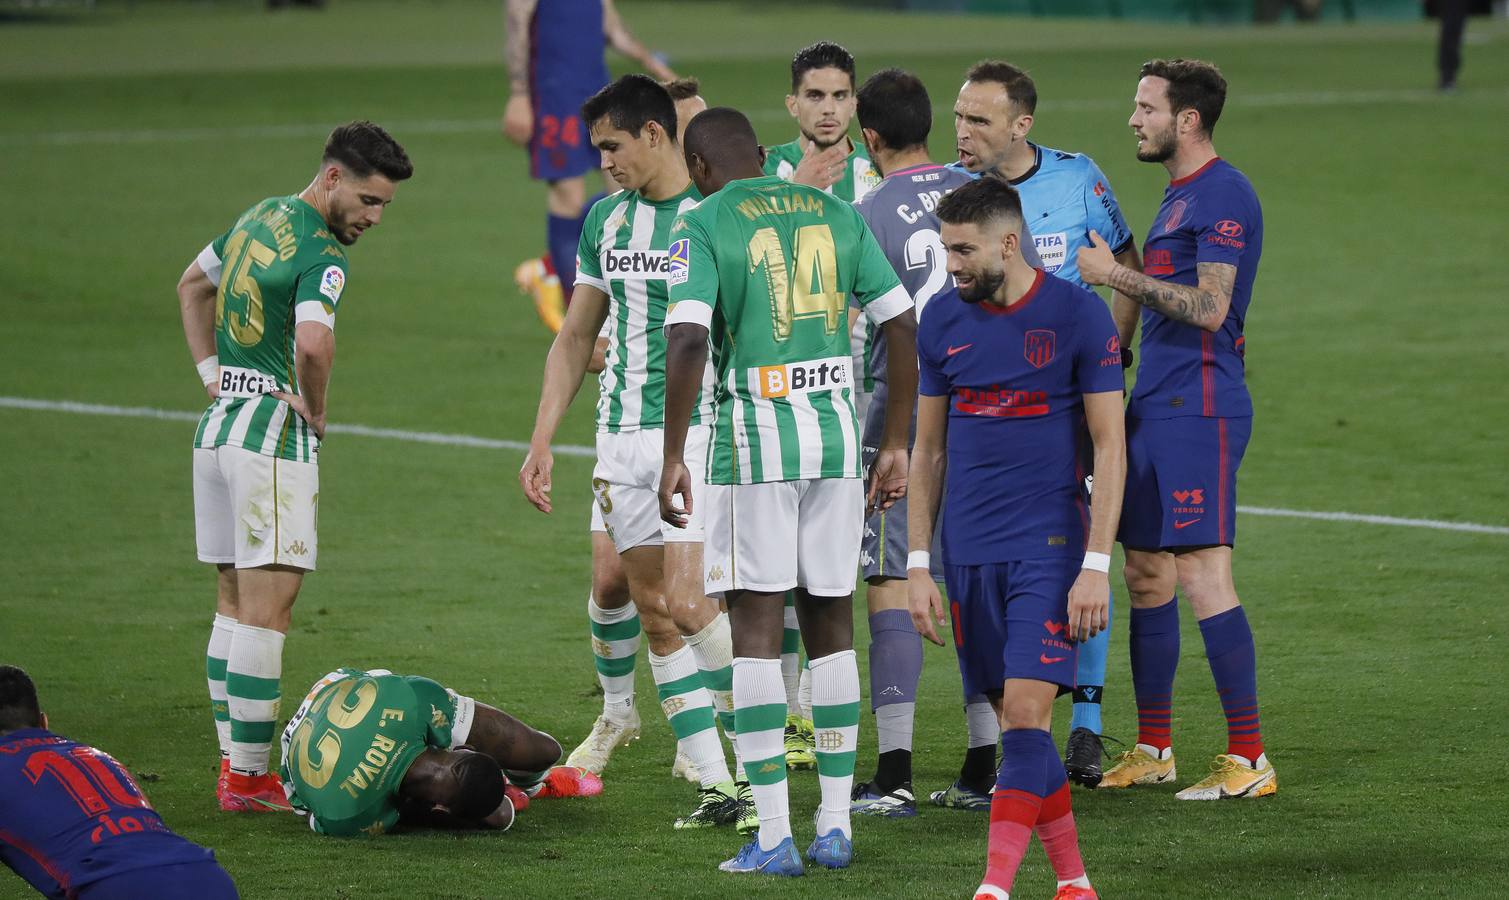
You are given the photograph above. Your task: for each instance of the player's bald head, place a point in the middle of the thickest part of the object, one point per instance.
(720, 147)
(723, 137)
(468, 784)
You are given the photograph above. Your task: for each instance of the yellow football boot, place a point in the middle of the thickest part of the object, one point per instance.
(1230, 778)
(800, 743)
(1138, 766)
(537, 282)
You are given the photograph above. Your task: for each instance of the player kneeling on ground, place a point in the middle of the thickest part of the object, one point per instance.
(367, 750)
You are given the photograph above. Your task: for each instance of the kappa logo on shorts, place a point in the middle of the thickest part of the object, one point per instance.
(297, 548)
(715, 573)
(678, 262)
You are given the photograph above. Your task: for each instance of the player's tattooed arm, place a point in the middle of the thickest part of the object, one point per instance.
(1203, 305)
(518, 113)
(516, 16)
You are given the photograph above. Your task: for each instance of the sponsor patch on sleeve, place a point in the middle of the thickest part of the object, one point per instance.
(332, 283)
(680, 257)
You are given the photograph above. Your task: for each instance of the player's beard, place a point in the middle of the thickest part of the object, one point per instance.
(1160, 147)
(983, 285)
(818, 143)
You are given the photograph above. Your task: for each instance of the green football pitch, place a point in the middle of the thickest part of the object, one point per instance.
(131, 137)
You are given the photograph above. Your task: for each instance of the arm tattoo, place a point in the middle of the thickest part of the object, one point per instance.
(1191, 304)
(516, 16)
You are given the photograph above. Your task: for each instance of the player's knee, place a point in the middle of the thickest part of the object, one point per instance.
(546, 752)
(1205, 579)
(1023, 712)
(1147, 581)
(610, 592)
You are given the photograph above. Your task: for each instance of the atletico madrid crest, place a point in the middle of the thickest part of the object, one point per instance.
(1038, 347)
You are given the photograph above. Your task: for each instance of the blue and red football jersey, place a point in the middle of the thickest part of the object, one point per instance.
(72, 816)
(566, 66)
(1210, 216)
(1016, 380)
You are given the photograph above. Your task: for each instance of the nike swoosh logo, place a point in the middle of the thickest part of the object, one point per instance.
(1047, 660)
(953, 350)
(1185, 524)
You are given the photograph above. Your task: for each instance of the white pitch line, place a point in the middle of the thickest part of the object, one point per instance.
(483, 126)
(468, 440)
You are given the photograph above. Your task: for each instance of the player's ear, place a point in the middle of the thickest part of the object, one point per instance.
(763, 154)
(43, 726)
(868, 137)
(791, 104)
(1023, 124)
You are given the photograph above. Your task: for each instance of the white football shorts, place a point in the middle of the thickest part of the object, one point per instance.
(781, 535)
(254, 510)
(626, 482)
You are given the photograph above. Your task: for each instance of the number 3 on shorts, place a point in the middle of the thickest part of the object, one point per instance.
(600, 491)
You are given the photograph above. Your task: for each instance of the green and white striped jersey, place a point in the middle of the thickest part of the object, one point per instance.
(859, 175)
(859, 179)
(277, 266)
(767, 267)
(624, 253)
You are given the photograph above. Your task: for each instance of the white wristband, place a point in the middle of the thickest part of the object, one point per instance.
(1097, 562)
(919, 559)
(209, 369)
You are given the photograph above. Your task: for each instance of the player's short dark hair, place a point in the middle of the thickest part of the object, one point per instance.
(722, 135)
(894, 104)
(981, 202)
(821, 55)
(18, 700)
(479, 786)
(630, 103)
(1192, 84)
(364, 148)
(1019, 86)
(682, 88)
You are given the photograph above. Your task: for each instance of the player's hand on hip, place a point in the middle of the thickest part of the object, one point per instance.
(821, 168)
(675, 479)
(297, 404)
(926, 604)
(1095, 261)
(1089, 605)
(518, 119)
(887, 480)
(534, 477)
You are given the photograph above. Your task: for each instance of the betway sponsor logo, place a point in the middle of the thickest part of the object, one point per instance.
(803, 377)
(636, 265)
